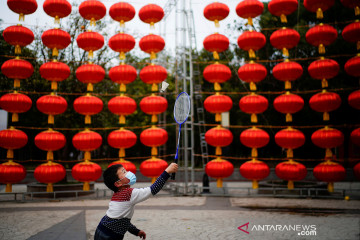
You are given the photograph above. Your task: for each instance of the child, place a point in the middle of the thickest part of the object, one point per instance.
(116, 222)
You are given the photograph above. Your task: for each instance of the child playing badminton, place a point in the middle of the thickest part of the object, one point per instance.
(116, 222)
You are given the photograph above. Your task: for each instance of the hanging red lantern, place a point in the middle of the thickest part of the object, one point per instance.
(90, 74)
(216, 43)
(122, 106)
(90, 42)
(290, 139)
(154, 137)
(22, 7)
(251, 41)
(216, 12)
(129, 166)
(153, 105)
(219, 137)
(352, 66)
(318, 6)
(217, 73)
(327, 138)
(355, 4)
(122, 12)
(252, 73)
(218, 104)
(354, 99)
(219, 169)
(88, 105)
(92, 10)
(288, 104)
(249, 9)
(11, 139)
(285, 39)
(351, 33)
(282, 8)
(54, 72)
(357, 171)
(153, 74)
(329, 172)
(18, 36)
(86, 172)
(320, 36)
(87, 141)
(151, 14)
(355, 136)
(49, 173)
(254, 138)
(253, 104)
(323, 69)
(50, 141)
(123, 75)
(57, 9)
(51, 105)
(10, 173)
(15, 103)
(56, 39)
(325, 102)
(291, 171)
(122, 139)
(17, 69)
(287, 72)
(153, 168)
(152, 44)
(254, 170)
(122, 43)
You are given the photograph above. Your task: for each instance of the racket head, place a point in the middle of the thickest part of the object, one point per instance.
(182, 108)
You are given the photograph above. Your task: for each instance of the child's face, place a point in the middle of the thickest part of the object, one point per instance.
(121, 172)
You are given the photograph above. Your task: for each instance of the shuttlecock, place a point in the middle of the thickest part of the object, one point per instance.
(164, 86)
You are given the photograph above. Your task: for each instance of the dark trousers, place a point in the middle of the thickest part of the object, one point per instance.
(103, 233)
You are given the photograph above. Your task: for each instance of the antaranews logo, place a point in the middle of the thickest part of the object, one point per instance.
(302, 230)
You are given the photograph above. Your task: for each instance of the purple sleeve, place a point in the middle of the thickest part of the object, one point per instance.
(159, 183)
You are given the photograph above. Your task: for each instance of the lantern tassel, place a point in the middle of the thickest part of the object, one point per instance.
(358, 45)
(50, 156)
(122, 153)
(290, 185)
(122, 56)
(217, 86)
(321, 49)
(285, 52)
(216, 23)
(21, 17)
(252, 86)
(218, 151)
(8, 187)
(57, 20)
(255, 184)
(330, 187)
(357, 11)
(91, 54)
(328, 153)
(254, 152)
(16, 83)
(217, 117)
(17, 49)
(219, 183)
(92, 22)
(152, 55)
(154, 87)
(154, 118)
(283, 18)
(319, 14)
(324, 83)
(90, 87)
(55, 52)
(86, 186)
(252, 54)
(216, 55)
(153, 180)
(154, 151)
(326, 116)
(288, 117)
(10, 154)
(122, 87)
(122, 23)
(254, 118)
(87, 119)
(87, 155)
(250, 21)
(53, 85)
(289, 153)
(49, 187)
(287, 85)
(15, 117)
(122, 119)
(51, 119)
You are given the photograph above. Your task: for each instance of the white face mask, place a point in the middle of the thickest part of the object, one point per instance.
(131, 177)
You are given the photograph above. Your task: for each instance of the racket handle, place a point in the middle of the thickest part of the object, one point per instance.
(172, 176)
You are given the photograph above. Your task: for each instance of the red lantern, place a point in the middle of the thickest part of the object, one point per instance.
(325, 102)
(49, 173)
(287, 72)
(154, 137)
(122, 106)
(153, 105)
(153, 168)
(54, 72)
(252, 73)
(282, 8)
(327, 138)
(153, 74)
(57, 9)
(251, 41)
(320, 36)
(318, 6)
(122, 139)
(56, 39)
(129, 166)
(10, 173)
(90, 74)
(329, 172)
(219, 137)
(217, 73)
(355, 136)
(123, 74)
(254, 170)
(11, 139)
(352, 66)
(355, 4)
(290, 139)
(357, 171)
(15, 103)
(122, 12)
(50, 141)
(216, 12)
(87, 141)
(86, 172)
(51, 105)
(253, 104)
(90, 42)
(122, 43)
(17, 69)
(284, 39)
(288, 104)
(151, 14)
(92, 10)
(152, 44)
(323, 69)
(219, 169)
(218, 104)
(254, 138)
(18, 36)
(351, 33)
(354, 99)
(291, 171)
(22, 7)
(216, 43)
(249, 9)
(88, 105)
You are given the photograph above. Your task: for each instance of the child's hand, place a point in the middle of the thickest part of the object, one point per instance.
(172, 168)
(142, 234)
